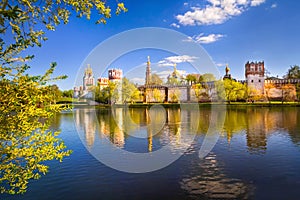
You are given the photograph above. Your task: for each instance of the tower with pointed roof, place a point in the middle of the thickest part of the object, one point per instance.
(88, 78)
(148, 72)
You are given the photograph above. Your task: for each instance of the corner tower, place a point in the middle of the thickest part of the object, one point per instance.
(115, 75)
(254, 73)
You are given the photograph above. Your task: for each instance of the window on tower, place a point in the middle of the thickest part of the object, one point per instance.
(259, 68)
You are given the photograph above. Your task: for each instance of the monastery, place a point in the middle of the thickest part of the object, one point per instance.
(177, 89)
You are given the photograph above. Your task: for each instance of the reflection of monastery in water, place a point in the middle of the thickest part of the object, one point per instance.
(118, 124)
(259, 124)
(171, 126)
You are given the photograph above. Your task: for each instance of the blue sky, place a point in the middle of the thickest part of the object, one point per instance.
(231, 31)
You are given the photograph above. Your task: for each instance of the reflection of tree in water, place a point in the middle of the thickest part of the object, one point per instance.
(256, 122)
(259, 122)
(212, 183)
(291, 123)
(65, 116)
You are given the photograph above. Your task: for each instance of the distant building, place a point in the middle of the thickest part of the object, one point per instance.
(103, 82)
(84, 91)
(175, 78)
(115, 75)
(88, 82)
(88, 78)
(255, 75)
(227, 75)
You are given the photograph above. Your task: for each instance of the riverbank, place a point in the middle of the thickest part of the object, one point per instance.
(177, 105)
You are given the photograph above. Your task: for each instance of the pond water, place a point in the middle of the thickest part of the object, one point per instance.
(256, 155)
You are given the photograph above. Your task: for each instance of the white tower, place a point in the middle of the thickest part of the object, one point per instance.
(88, 78)
(254, 73)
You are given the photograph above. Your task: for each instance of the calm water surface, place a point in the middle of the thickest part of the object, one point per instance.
(256, 157)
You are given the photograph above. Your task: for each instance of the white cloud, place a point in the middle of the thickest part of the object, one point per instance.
(164, 63)
(274, 5)
(216, 12)
(220, 64)
(208, 39)
(204, 39)
(257, 2)
(185, 3)
(164, 74)
(138, 80)
(175, 25)
(169, 61)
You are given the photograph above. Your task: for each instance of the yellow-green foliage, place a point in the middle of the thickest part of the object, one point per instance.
(25, 141)
(26, 103)
(158, 96)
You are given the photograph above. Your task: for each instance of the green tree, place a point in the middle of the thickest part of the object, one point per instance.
(55, 92)
(158, 96)
(208, 77)
(200, 92)
(293, 72)
(129, 91)
(298, 92)
(254, 94)
(219, 87)
(174, 95)
(107, 95)
(68, 93)
(26, 101)
(191, 78)
(288, 92)
(25, 114)
(234, 90)
(156, 80)
(173, 81)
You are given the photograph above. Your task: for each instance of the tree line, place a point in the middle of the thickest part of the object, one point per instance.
(206, 88)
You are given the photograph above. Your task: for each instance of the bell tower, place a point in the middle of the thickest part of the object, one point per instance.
(148, 72)
(88, 78)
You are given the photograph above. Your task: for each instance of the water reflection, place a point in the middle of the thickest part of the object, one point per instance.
(122, 125)
(85, 119)
(260, 123)
(170, 126)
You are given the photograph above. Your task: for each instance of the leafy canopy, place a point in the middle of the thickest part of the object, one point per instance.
(293, 72)
(27, 102)
(25, 139)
